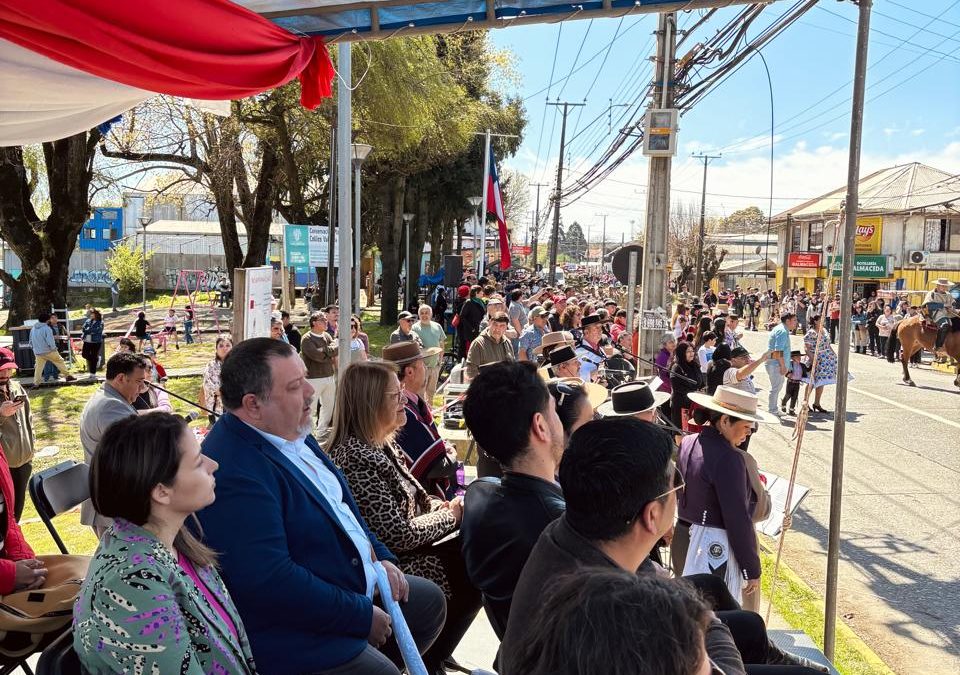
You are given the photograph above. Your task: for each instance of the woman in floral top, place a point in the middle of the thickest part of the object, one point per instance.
(153, 601)
(211, 376)
(368, 412)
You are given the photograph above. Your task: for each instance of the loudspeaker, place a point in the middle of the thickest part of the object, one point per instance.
(452, 270)
(621, 262)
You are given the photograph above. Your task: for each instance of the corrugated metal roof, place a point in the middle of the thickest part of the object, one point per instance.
(906, 187)
(201, 227)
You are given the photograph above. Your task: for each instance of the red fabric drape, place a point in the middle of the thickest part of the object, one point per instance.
(207, 49)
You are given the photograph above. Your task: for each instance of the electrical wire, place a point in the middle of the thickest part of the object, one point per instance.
(543, 118)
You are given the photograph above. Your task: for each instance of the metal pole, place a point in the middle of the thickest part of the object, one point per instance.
(146, 268)
(344, 115)
(552, 272)
(658, 198)
(536, 229)
(406, 291)
(632, 324)
(284, 291)
(846, 302)
(328, 287)
(698, 272)
(356, 243)
(483, 204)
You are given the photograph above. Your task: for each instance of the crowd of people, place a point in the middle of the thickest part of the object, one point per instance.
(611, 527)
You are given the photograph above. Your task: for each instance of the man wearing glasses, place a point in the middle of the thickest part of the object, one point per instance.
(620, 486)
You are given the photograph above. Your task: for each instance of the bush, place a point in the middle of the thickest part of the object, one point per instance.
(125, 263)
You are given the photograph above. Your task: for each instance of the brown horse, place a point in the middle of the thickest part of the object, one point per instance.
(914, 336)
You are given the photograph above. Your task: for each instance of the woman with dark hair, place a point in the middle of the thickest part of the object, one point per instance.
(153, 601)
(366, 418)
(722, 495)
(575, 401)
(471, 315)
(685, 378)
(825, 372)
(704, 324)
(615, 622)
(717, 366)
(92, 341)
(210, 386)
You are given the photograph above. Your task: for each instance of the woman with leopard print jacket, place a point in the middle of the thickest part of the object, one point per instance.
(368, 412)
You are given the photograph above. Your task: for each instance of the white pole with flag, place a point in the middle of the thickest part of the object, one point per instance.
(483, 204)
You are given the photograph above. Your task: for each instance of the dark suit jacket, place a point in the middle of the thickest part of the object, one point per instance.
(562, 551)
(502, 520)
(292, 571)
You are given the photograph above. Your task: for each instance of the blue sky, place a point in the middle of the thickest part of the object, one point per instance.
(912, 112)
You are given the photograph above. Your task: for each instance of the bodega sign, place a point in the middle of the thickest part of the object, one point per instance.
(869, 233)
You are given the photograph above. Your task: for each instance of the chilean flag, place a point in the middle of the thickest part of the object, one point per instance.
(495, 206)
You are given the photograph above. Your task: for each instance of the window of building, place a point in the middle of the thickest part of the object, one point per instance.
(815, 238)
(942, 234)
(795, 237)
(91, 233)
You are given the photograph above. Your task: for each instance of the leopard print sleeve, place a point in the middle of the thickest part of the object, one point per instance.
(386, 506)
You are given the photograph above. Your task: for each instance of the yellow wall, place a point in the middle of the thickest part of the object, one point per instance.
(922, 280)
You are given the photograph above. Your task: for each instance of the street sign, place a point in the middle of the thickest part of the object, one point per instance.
(654, 320)
(520, 250)
(864, 266)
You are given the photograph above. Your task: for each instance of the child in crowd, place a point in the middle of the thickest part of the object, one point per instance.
(798, 370)
(170, 328)
(140, 327)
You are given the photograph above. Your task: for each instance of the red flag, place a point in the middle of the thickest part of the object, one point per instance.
(495, 206)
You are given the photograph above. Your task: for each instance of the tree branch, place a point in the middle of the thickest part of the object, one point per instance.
(194, 162)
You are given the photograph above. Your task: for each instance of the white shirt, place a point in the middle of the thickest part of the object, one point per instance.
(704, 355)
(329, 486)
(746, 384)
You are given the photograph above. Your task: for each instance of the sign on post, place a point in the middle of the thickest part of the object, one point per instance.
(307, 247)
(252, 296)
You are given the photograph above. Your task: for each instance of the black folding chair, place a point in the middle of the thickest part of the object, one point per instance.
(59, 658)
(57, 490)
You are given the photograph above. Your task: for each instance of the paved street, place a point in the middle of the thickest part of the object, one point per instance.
(900, 556)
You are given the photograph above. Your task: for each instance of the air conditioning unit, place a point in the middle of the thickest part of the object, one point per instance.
(918, 257)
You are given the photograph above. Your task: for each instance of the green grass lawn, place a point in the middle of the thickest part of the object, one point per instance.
(56, 416)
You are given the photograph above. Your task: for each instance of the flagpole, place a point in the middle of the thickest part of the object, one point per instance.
(483, 204)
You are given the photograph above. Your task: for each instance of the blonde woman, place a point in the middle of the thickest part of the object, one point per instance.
(368, 413)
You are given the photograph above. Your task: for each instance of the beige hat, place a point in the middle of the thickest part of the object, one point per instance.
(596, 394)
(734, 402)
(402, 353)
(554, 339)
(942, 281)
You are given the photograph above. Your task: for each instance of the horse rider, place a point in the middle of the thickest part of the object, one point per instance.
(938, 308)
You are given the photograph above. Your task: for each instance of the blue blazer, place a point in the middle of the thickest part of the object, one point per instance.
(292, 571)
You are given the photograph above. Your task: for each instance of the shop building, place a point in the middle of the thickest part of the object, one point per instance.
(908, 232)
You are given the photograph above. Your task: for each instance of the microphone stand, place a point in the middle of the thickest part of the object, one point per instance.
(185, 400)
(653, 363)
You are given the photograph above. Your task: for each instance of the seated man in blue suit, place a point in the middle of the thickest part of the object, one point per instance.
(295, 553)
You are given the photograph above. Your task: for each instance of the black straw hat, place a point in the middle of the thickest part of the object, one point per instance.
(632, 398)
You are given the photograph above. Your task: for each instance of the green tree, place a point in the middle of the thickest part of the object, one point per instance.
(574, 244)
(744, 221)
(125, 263)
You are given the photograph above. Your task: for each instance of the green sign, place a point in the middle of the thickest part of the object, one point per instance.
(297, 242)
(864, 266)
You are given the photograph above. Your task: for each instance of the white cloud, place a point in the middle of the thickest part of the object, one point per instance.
(890, 131)
(917, 132)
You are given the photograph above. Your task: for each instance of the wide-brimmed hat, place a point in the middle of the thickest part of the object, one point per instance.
(942, 281)
(596, 394)
(554, 338)
(408, 351)
(561, 354)
(7, 361)
(589, 320)
(632, 398)
(405, 316)
(734, 402)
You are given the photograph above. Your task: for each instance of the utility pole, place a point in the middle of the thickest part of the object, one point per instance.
(654, 279)
(603, 242)
(846, 301)
(552, 273)
(698, 272)
(536, 227)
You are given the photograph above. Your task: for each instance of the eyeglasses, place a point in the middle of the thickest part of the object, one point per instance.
(678, 484)
(398, 397)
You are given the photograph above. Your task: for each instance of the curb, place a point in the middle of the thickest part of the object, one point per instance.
(853, 641)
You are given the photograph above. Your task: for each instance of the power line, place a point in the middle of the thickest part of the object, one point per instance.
(929, 16)
(543, 119)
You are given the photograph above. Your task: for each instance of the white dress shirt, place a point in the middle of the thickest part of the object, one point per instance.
(302, 457)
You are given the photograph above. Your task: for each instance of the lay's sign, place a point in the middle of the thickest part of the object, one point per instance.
(869, 234)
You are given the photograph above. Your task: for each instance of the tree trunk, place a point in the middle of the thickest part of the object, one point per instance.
(260, 212)
(392, 198)
(44, 247)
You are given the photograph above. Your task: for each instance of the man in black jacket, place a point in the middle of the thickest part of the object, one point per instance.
(621, 499)
(513, 419)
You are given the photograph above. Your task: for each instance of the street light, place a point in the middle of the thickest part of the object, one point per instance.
(407, 217)
(145, 218)
(359, 153)
(475, 202)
